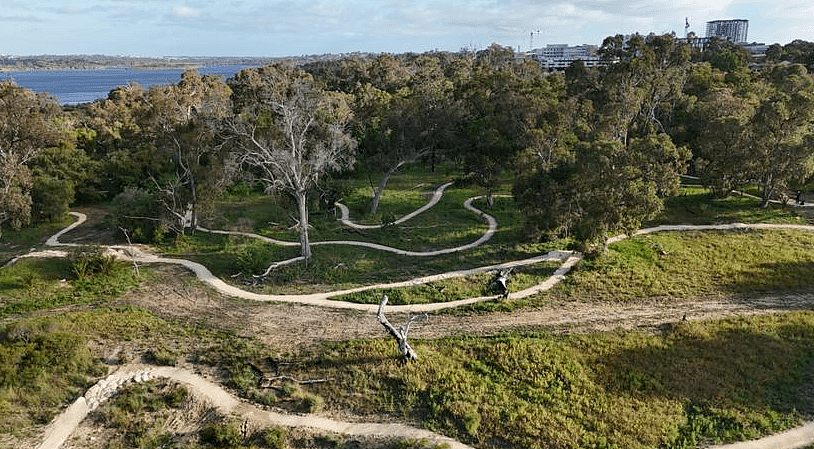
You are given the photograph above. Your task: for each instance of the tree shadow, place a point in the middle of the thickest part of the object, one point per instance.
(737, 367)
(778, 278)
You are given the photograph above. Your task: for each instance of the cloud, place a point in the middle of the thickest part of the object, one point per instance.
(29, 18)
(186, 12)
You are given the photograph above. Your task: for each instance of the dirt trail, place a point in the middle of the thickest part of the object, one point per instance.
(285, 326)
(63, 426)
(295, 321)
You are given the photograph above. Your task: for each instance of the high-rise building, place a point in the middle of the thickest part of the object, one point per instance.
(734, 30)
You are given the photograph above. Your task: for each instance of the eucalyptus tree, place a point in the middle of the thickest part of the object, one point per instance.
(621, 160)
(782, 129)
(290, 132)
(719, 126)
(127, 153)
(184, 119)
(407, 111)
(26, 127)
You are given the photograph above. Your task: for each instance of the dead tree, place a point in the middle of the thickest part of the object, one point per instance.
(399, 334)
(500, 282)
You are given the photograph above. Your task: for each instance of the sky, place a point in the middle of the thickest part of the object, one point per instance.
(293, 28)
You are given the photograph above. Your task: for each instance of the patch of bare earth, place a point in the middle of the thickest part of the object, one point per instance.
(175, 293)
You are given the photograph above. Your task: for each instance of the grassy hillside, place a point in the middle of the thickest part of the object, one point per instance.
(687, 384)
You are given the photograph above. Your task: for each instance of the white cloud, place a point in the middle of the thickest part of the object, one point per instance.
(185, 12)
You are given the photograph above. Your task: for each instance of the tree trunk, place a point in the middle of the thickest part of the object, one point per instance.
(399, 334)
(768, 190)
(305, 244)
(377, 193)
(194, 194)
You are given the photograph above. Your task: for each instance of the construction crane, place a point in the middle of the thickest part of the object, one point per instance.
(686, 27)
(531, 39)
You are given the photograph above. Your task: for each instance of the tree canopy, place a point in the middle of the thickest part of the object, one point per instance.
(590, 151)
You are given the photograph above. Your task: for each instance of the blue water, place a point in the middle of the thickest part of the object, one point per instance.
(84, 86)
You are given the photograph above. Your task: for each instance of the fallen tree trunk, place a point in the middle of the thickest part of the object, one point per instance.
(400, 334)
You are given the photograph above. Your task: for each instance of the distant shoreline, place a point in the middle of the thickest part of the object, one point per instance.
(104, 62)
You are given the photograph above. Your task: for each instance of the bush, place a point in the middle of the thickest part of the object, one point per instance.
(222, 435)
(161, 356)
(275, 437)
(254, 259)
(51, 198)
(308, 402)
(91, 261)
(138, 211)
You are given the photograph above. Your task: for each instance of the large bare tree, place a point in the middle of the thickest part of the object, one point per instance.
(291, 132)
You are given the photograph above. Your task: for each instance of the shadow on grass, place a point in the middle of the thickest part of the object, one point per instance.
(737, 383)
(791, 276)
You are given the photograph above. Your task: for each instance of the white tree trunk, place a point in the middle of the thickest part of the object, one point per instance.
(305, 243)
(399, 334)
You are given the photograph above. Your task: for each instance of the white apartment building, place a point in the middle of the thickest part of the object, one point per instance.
(560, 56)
(734, 30)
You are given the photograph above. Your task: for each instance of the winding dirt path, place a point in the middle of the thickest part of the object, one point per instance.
(580, 316)
(62, 427)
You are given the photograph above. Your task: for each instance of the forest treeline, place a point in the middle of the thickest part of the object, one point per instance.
(590, 150)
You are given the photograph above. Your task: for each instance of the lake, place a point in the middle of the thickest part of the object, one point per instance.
(84, 86)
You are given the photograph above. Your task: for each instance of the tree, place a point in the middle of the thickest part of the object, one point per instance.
(25, 128)
(604, 187)
(290, 132)
(184, 119)
(781, 128)
(719, 125)
(621, 160)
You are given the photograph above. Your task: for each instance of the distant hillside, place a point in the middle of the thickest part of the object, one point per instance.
(92, 62)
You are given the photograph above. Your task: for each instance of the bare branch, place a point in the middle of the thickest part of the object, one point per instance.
(399, 334)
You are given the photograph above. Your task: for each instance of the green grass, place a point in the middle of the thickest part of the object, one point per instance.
(36, 284)
(700, 382)
(695, 205)
(340, 266)
(691, 264)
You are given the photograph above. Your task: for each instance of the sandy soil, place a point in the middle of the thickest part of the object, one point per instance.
(177, 294)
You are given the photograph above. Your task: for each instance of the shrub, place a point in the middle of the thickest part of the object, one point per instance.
(138, 211)
(161, 356)
(275, 437)
(51, 198)
(308, 402)
(90, 261)
(222, 435)
(253, 259)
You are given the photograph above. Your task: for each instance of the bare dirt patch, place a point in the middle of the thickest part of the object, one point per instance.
(175, 293)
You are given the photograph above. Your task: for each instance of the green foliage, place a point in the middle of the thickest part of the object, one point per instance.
(254, 258)
(306, 401)
(57, 173)
(26, 126)
(161, 356)
(88, 262)
(33, 284)
(41, 367)
(606, 188)
(139, 212)
(275, 437)
(51, 198)
(225, 435)
(135, 412)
